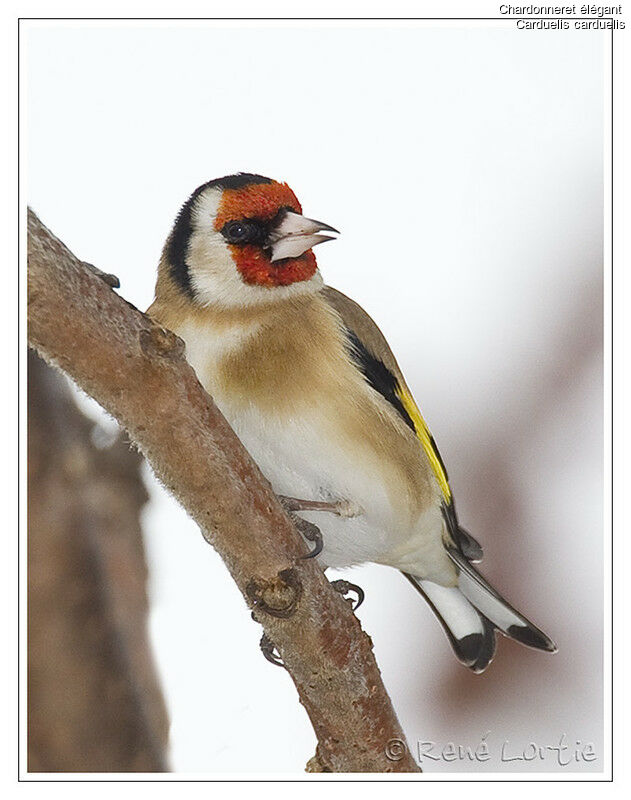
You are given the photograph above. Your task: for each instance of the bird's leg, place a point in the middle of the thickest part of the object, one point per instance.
(343, 587)
(312, 533)
(268, 648)
(343, 508)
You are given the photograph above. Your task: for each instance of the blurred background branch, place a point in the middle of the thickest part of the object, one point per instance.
(94, 704)
(137, 372)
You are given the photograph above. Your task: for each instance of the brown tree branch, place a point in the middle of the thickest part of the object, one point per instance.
(137, 372)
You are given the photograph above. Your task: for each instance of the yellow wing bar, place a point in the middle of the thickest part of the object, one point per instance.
(425, 438)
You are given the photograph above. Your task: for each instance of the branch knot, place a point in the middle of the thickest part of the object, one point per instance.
(279, 596)
(157, 341)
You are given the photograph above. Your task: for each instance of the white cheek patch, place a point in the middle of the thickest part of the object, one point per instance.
(204, 212)
(214, 275)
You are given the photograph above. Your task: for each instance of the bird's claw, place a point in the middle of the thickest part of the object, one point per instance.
(311, 533)
(268, 648)
(344, 587)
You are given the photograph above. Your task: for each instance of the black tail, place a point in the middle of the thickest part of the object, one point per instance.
(471, 635)
(493, 606)
(471, 612)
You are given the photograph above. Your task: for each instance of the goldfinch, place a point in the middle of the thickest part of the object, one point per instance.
(308, 382)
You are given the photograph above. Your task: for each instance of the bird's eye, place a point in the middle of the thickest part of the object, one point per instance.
(236, 231)
(245, 231)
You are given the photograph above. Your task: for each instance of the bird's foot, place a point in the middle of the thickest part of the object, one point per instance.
(268, 648)
(343, 508)
(311, 533)
(344, 587)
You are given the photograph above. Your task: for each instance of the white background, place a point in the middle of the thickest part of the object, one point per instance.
(463, 167)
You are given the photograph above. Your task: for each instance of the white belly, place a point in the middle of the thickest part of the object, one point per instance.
(301, 460)
(302, 457)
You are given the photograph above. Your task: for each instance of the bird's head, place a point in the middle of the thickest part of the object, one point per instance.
(242, 240)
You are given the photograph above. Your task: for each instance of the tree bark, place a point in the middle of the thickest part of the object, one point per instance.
(94, 704)
(137, 372)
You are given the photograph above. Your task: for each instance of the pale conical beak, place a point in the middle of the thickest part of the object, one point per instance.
(295, 235)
